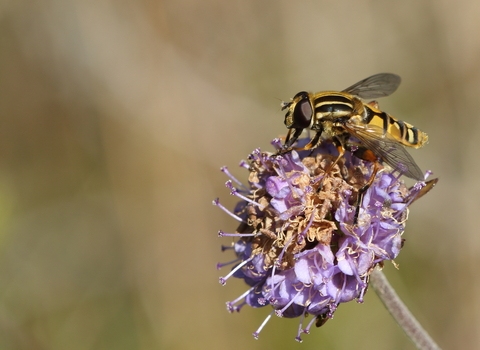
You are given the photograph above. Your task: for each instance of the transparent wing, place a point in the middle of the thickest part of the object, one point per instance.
(378, 85)
(387, 148)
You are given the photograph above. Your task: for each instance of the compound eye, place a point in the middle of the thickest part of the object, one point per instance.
(302, 114)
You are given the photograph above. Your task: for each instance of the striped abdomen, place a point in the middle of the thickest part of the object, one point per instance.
(405, 133)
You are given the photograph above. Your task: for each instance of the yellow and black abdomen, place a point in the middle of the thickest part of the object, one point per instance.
(403, 132)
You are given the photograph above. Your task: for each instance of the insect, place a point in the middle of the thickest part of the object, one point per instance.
(356, 126)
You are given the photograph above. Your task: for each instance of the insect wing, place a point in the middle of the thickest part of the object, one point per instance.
(387, 148)
(378, 85)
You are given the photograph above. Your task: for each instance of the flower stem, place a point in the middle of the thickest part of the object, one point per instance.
(400, 312)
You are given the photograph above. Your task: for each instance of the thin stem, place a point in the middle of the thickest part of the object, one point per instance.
(400, 312)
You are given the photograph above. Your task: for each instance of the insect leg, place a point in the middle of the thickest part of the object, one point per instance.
(339, 142)
(289, 134)
(289, 141)
(313, 142)
(341, 153)
(367, 155)
(362, 191)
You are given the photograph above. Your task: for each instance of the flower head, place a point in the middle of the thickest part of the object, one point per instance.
(298, 248)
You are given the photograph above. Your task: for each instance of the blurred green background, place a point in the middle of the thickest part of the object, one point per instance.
(117, 115)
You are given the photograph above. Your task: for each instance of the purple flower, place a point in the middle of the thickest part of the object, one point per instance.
(298, 249)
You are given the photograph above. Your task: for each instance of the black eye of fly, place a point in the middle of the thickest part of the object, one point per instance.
(302, 114)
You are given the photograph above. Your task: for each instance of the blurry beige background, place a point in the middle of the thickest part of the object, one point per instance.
(117, 115)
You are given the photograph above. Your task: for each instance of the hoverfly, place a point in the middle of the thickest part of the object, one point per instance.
(342, 115)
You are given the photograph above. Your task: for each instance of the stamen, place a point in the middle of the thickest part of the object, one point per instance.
(257, 332)
(216, 202)
(419, 185)
(414, 193)
(234, 192)
(223, 280)
(362, 292)
(236, 308)
(355, 269)
(272, 300)
(396, 178)
(225, 170)
(231, 304)
(332, 309)
(280, 312)
(427, 174)
(401, 168)
(287, 179)
(244, 164)
(226, 247)
(300, 324)
(224, 234)
(220, 265)
(277, 144)
(310, 324)
(258, 153)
